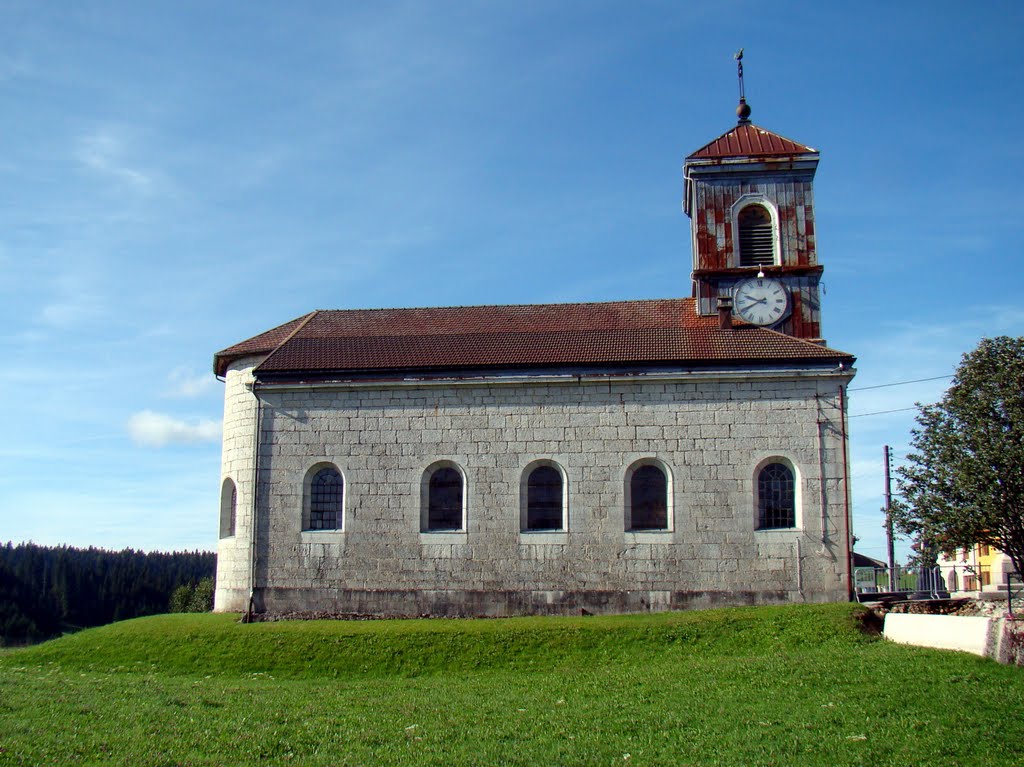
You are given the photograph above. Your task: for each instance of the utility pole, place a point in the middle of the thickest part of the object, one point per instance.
(888, 524)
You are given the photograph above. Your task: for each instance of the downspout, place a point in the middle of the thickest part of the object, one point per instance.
(822, 475)
(254, 388)
(799, 569)
(255, 500)
(846, 492)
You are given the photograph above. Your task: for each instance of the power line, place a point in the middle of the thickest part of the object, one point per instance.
(895, 383)
(898, 383)
(883, 412)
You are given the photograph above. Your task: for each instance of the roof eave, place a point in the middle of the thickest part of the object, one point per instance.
(607, 370)
(224, 358)
(222, 361)
(750, 164)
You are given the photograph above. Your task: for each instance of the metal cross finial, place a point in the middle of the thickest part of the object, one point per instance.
(739, 70)
(743, 110)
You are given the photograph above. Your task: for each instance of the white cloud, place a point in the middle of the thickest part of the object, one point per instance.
(67, 314)
(102, 151)
(157, 430)
(74, 293)
(187, 383)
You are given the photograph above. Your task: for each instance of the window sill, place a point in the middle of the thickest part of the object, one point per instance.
(445, 536)
(543, 537)
(649, 536)
(321, 536)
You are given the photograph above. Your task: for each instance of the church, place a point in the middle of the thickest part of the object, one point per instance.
(573, 458)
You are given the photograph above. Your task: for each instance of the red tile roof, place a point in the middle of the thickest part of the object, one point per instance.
(662, 331)
(749, 140)
(264, 343)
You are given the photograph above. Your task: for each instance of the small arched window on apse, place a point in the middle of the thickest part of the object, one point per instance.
(443, 499)
(647, 497)
(228, 508)
(756, 236)
(776, 497)
(324, 499)
(544, 501)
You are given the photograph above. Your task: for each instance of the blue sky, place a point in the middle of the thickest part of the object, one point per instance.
(176, 177)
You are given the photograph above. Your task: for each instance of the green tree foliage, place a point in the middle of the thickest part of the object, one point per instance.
(202, 597)
(180, 598)
(964, 482)
(923, 553)
(22, 619)
(193, 597)
(45, 591)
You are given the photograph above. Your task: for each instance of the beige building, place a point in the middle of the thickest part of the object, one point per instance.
(978, 569)
(557, 458)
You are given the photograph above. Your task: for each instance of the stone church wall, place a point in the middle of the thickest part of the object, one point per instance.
(711, 433)
(237, 460)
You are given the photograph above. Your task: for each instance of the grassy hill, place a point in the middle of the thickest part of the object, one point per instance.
(792, 685)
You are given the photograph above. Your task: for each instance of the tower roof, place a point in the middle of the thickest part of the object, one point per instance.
(749, 140)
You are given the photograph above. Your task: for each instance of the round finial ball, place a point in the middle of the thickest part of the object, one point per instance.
(743, 110)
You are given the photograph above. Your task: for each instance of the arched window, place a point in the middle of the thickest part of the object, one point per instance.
(776, 497)
(444, 500)
(647, 500)
(228, 508)
(952, 582)
(545, 498)
(325, 496)
(757, 236)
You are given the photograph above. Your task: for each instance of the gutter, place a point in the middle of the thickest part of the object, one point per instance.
(745, 375)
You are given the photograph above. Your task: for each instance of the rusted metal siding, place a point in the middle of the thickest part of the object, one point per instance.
(791, 194)
(804, 317)
(804, 320)
(713, 203)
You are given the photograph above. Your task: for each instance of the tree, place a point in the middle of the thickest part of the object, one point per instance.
(963, 483)
(193, 597)
(202, 597)
(923, 553)
(47, 591)
(180, 598)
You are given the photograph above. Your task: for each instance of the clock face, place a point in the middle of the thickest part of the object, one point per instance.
(761, 300)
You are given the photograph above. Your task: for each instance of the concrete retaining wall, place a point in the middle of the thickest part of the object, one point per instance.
(1001, 639)
(945, 632)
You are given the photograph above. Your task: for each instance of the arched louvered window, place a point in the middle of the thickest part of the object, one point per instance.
(545, 498)
(776, 497)
(326, 492)
(757, 236)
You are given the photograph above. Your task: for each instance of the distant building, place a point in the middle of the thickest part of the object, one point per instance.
(863, 560)
(557, 458)
(978, 568)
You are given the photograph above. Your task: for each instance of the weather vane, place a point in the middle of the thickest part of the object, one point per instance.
(743, 110)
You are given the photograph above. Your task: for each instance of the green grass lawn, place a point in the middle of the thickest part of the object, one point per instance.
(756, 686)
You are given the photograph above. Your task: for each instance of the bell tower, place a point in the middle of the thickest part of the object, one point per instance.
(749, 196)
